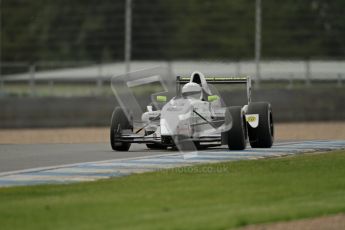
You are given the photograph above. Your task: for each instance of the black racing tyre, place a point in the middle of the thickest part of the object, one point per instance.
(119, 122)
(154, 145)
(236, 136)
(200, 146)
(263, 135)
(184, 143)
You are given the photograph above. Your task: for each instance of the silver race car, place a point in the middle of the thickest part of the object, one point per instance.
(196, 118)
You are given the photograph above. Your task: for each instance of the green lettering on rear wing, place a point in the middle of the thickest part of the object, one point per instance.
(219, 80)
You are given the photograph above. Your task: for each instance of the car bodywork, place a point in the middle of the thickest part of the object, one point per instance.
(200, 122)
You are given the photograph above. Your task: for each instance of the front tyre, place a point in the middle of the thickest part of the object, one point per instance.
(119, 122)
(263, 135)
(236, 136)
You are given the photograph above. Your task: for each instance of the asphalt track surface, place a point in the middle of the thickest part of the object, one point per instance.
(26, 156)
(67, 163)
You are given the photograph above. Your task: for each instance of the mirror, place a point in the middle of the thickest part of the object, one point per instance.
(161, 98)
(213, 98)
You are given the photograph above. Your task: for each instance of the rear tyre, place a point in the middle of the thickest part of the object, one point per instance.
(200, 146)
(154, 146)
(236, 136)
(184, 143)
(119, 122)
(263, 135)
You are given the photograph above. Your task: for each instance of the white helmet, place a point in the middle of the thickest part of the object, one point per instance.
(191, 90)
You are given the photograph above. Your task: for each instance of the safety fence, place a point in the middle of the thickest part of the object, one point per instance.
(89, 78)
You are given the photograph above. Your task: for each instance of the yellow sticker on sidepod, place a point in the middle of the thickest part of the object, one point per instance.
(251, 119)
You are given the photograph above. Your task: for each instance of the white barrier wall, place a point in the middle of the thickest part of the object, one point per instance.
(327, 70)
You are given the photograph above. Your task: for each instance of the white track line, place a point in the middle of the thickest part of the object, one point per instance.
(89, 171)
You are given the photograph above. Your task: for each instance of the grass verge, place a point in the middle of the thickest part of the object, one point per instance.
(217, 196)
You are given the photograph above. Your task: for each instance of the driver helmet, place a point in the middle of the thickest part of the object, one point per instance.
(191, 90)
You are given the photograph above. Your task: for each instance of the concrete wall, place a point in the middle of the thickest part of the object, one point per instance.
(288, 105)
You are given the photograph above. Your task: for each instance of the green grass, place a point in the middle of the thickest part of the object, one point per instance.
(229, 195)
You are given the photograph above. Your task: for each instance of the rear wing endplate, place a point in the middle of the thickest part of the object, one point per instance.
(219, 80)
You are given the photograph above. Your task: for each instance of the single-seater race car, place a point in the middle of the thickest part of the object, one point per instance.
(196, 118)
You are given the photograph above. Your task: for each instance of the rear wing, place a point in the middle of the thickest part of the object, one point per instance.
(219, 80)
